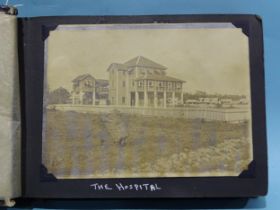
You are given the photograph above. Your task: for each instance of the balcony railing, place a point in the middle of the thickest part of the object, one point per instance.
(158, 89)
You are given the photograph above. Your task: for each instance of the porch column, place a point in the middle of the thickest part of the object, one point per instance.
(155, 99)
(173, 98)
(127, 87)
(164, 99)
(145, 94)
(93, 96)
(136, 98)
(182, 97)
(117, 88)
(81, 97)
(73, 98)
(145, 98)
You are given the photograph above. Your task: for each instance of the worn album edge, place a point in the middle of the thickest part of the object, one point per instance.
(10, 127)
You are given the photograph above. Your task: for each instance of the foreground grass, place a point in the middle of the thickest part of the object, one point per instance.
(121, 145)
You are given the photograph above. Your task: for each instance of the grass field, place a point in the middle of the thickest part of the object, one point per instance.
(77, 145)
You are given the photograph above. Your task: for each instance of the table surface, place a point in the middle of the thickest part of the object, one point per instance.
(267, 9)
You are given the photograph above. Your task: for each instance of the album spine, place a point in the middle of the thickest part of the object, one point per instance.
(10, 119)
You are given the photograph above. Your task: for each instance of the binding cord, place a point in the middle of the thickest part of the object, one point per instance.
(7, 202)
(8, 9)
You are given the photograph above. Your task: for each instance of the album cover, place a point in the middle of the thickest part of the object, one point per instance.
(167, 106)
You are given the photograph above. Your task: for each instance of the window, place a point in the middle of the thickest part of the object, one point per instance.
(88, 83)
(123, 100)
(123, 83)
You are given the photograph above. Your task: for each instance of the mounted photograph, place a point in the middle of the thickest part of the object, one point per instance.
(146, 100)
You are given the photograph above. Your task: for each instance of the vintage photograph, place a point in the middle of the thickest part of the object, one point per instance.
(146, 100)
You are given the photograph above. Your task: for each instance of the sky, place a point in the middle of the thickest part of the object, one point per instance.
(215, 60)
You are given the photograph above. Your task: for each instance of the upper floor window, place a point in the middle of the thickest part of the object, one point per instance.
(113, 81)
(142, 72)
(88, 83)
(123, 83)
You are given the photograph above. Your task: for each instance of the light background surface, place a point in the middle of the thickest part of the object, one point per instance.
(269, 10)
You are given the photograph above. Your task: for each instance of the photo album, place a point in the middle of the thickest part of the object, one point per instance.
(158, 106)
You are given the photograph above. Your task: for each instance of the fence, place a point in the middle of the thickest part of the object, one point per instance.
(209, 114)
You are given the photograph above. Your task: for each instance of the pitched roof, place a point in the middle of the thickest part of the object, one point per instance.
(82, 77)
(159, 78)
(120, 66)
(143, 62)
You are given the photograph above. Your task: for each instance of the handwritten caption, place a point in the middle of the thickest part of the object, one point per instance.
(125, 187)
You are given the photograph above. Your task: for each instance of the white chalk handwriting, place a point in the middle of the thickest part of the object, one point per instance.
(126, 187)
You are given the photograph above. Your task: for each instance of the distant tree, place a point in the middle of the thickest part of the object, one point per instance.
(59, 96)
(200, 93)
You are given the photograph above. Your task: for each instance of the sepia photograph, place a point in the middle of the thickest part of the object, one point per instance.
(146, 100)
